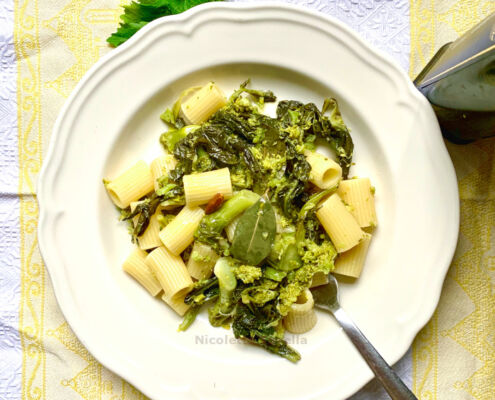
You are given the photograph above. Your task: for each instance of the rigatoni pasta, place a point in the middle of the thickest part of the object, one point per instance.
(135, 265)
(179, 233)
(133, 206)
(133, 184)
(325, 172)
(339, 223)
(200, 188)
(319, 279)
(203, 103)
(149, 239)
(351, 262)
(301, 317)
(177, 303)
(201, 261)
(162, 166)
(358, 193)
(170, 271)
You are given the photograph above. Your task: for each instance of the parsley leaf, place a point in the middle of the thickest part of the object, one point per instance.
(139, 13)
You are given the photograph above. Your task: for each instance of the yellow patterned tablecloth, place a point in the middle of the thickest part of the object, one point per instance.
(57, 41)
(454, 355)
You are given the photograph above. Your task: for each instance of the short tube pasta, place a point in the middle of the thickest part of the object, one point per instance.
(339, 223)
(133, 184)
(202, 260)
(162, 166)
(319, 278)
(352, 261)
(325, 172)
(170, 271)
(177, 303)
(301, 317)
(200, 188)
(133, 206)
(135, 265)
(203, 104)
(359, 195)
(149, 239)
(179, 233)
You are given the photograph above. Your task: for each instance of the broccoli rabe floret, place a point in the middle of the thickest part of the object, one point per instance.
(201, 258)
(273, 162)
(247, 273)
(315, 258)
(321, 256)
(241, 177)
(288, 295)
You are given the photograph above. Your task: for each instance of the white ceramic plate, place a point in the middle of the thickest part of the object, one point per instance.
(111, 120)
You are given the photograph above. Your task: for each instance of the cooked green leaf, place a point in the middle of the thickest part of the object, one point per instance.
(307, 122)
(255, 233)
(257, 326)
(274, 274)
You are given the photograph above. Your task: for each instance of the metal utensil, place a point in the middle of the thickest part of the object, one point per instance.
(459, 82)
(327, 298)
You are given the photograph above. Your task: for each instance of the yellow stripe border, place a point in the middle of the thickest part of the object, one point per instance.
(31, 312)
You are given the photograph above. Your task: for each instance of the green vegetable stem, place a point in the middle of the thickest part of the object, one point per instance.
(222, 311)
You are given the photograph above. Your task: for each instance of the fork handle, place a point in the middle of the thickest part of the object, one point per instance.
(394, 386)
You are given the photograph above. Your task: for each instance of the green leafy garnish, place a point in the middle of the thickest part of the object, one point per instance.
(139, 13)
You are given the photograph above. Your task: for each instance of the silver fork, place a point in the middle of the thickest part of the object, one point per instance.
(327, 298)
